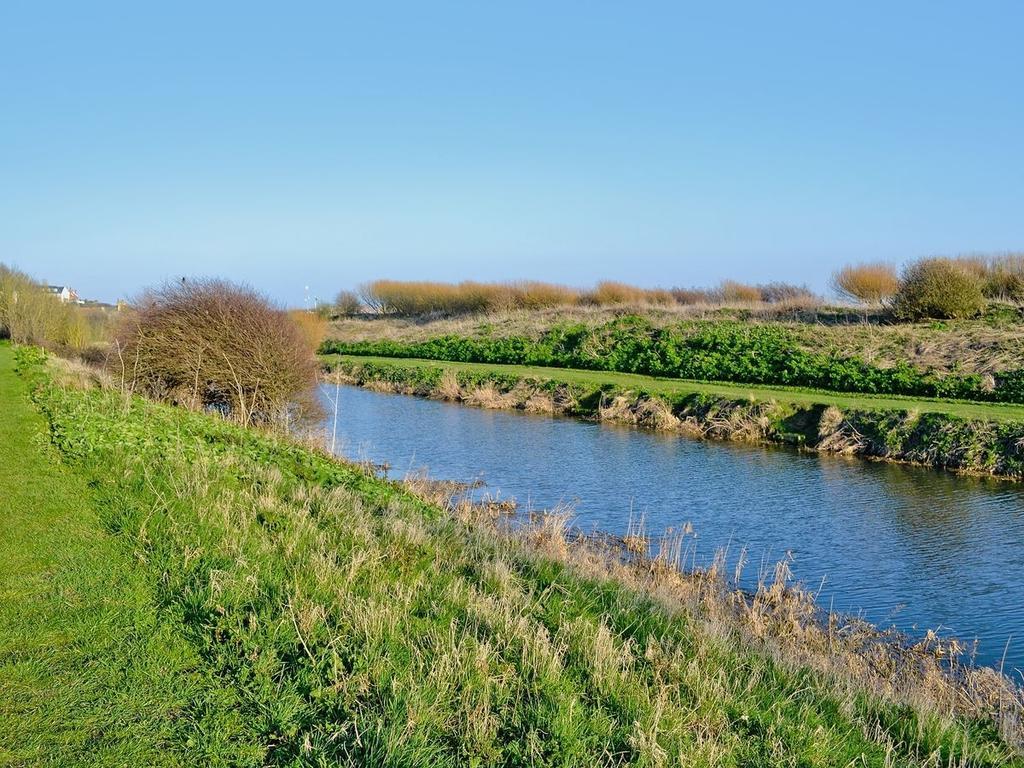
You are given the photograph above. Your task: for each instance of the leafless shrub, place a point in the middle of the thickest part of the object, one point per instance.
(866, 283)
(732, 292)
(1001, 275)
(215, 345)
(404, 297)
(347, 303)
(785, 293)
(611, 293)
(690, 296)
(312, 325)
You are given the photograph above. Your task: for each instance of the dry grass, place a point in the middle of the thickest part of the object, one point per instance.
(779, 618)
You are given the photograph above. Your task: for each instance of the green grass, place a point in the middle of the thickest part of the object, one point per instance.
(89, 674)
(674, 388)
(183, 590)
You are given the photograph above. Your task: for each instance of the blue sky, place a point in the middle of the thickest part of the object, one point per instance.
(661, 143)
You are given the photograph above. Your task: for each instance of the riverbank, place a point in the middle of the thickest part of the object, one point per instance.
(971, 438)
(352, 621)
(986, 346)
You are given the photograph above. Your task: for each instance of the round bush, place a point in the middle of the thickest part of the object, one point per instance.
(212, 344)
(937, 288)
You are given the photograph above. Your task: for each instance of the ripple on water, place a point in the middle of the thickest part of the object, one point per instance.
(901, 545)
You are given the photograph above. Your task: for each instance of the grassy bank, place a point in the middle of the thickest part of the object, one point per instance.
(92, 672)
(732, 352)
(986, 345)
(968, 437)
(348, 621)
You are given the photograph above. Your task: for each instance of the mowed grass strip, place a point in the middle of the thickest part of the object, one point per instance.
(681, 387)
(89, 675)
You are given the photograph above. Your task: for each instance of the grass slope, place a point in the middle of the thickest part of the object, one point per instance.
(987, 345)
(347, 622)
(89, 675)
(679, 387)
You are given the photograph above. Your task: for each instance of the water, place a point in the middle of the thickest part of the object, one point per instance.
(902, 546)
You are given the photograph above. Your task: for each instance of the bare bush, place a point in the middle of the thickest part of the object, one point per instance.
(689, 296)
(215, 345)
(403, 297)
(1001, 275)
(732, 292)
(866, 283)
(312, 324)
(532, 294)
(610, 293)
(785, 293)
(347, 303)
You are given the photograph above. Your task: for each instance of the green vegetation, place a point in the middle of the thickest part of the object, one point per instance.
(966, 437)
(722, 351)
(92, 672)
(321, 616)
(428, 372)
(939, 288)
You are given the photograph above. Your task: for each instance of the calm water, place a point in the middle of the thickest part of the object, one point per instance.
(900, 545)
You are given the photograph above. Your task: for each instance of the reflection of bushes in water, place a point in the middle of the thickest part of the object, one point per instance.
(927, 505)
(937, 440)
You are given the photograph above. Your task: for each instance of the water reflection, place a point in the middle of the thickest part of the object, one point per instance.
(898, 544)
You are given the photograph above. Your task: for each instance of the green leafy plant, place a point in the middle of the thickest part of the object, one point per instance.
(722, 351)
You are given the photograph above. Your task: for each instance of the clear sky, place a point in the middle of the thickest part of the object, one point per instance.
(294, 144)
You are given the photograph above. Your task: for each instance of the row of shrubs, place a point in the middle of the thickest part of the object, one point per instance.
(936, 287)
(731, 352)
(30, 314)
(400, 297)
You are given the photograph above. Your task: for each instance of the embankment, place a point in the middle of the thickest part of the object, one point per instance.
(348, 621)
(960, 437)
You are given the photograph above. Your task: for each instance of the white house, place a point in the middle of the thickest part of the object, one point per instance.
(64, 293)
